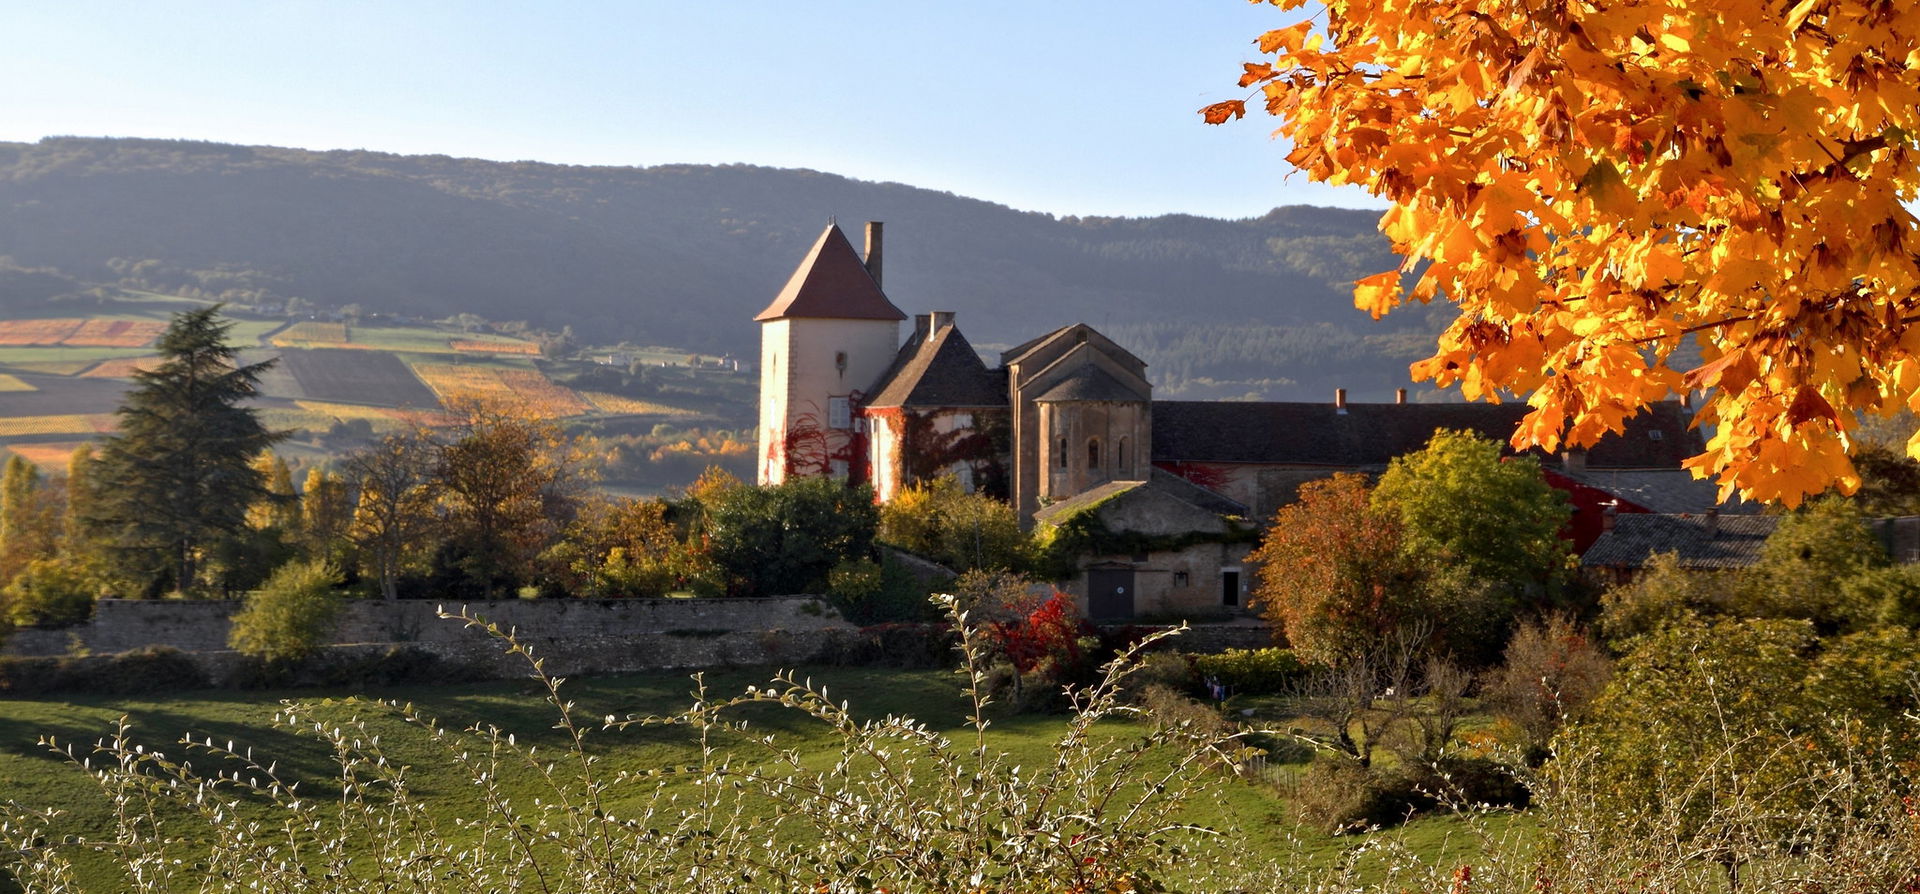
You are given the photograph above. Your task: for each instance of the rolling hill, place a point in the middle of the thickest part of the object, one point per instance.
(680, 255)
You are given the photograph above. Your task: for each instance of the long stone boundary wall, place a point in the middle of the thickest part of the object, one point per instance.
(121, 625)
(572, 637)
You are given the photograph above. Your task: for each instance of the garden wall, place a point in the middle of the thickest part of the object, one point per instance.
(120, 625)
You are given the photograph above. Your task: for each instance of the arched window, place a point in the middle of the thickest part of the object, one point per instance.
(1062, 452)
(1120, 456)
(1093, 453)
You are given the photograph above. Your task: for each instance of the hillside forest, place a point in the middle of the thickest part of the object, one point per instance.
(684, 255)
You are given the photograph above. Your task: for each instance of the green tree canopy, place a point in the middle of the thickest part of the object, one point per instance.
(180, 473)
(786, 538)
(963, 531)
(1463, 506)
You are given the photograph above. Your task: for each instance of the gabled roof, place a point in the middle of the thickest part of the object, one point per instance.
(1697, 541)
(833, 283)
(1162, 488)
(939, 369)
(1080, 332)
(1089, 383)
(1371, 435)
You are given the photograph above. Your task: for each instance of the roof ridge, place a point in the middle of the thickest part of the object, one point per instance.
(832, 282)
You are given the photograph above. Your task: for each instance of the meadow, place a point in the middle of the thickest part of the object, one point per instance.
(1249, 812)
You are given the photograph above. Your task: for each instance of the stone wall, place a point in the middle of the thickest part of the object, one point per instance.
(572, 636)
(120, 625)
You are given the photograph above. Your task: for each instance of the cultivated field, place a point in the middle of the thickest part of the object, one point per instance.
(60, 396)
(372, 378)
(78, 333)
(50, 456)
(467, 346)
(122, 367)
(402, 339)
(615, 405)
(525, 388)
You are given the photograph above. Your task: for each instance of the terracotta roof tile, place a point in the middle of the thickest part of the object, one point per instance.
(832, 282)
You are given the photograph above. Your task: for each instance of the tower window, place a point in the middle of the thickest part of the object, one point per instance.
(1120, 455)
(1093, 453)
(1063, 453)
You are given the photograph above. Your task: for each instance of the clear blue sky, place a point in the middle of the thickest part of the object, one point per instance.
(1066, 106)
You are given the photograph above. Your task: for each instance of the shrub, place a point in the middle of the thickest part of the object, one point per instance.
(51, 593)
(1552, 671)
(291, 616)
(1339, 795)
(1252, 671)
(153, 669)
(903, 645)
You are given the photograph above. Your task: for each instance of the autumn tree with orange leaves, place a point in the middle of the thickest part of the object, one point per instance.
(1629, 200)
(1331, 574)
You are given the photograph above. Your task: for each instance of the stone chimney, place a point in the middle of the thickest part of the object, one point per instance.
(1400, 395)
(1573, 461)
(941, 318)
(1713, 522)
(1608, 512)
(873, 251)
(923, 326)
(1340, 401)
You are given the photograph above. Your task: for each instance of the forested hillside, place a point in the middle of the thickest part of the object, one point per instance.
(684, 255)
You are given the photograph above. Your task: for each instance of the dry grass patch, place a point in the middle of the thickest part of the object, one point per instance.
(72, 424)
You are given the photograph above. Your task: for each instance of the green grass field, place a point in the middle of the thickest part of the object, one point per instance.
(1247, 812)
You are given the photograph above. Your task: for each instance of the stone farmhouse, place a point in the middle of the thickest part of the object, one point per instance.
(1166, 496)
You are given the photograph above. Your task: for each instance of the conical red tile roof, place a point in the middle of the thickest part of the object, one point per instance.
(832, 283)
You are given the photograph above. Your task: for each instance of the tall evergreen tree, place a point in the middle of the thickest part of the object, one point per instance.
(180, 475)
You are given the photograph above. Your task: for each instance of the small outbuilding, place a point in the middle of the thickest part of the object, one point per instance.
(1157, 548)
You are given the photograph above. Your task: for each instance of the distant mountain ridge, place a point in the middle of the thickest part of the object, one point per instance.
(676, 255)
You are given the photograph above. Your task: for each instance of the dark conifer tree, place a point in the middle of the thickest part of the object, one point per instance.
(180, 474)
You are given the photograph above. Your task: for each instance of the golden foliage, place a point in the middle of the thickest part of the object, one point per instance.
(1600, 185)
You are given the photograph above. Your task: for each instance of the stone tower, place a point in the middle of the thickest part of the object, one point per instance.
(824, 342)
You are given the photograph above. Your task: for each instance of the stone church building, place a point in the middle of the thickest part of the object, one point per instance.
(1066, 429)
